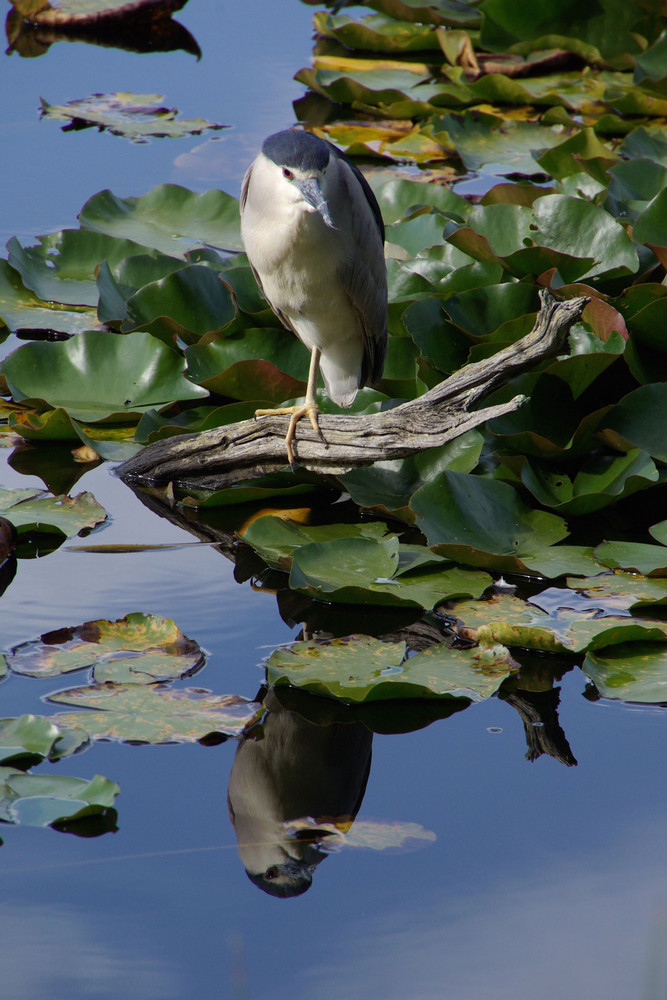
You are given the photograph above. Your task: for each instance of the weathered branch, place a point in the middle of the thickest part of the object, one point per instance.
(227, 455)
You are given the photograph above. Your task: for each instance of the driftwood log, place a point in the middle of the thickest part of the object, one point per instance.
(224, 456)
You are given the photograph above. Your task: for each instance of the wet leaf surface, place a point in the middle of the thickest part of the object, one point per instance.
(138, 649)
(138, 713)
(35, 509)
(359, 669)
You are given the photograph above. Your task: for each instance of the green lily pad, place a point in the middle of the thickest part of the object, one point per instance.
(483, 522)
(367, 571)
(141, 713)
(659, 532)
(26, 736)
(360, 668)
(21, 308)
(61, 267)
(37, 510)
(138, 117)
(389, 485)
(40, 800)
(138, 648)
(639, 557)
(168, 217)
(33, 738)
(603, 480)
(79, 13)
(252, 364)
(400, 199)
(98, 375)
(359, 564)
(640, 419)
(635, 672)
(187, 303)
(276, 539)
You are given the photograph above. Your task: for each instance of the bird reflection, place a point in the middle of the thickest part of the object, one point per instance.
(296, 770)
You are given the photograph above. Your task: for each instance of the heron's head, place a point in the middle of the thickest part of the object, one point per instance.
(298, 166)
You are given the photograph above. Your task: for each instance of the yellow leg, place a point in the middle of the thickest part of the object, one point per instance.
(309, 407)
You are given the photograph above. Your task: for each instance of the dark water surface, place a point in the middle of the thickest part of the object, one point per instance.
(544, 880)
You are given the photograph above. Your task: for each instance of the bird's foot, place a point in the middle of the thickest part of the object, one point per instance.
(296, 413)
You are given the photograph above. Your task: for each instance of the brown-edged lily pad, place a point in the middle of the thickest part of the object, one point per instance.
(138, 649)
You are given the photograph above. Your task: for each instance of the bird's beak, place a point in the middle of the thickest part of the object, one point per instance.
(312, 193)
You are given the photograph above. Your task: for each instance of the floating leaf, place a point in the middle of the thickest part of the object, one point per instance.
(61, 267)
(634, 672)
(509, 620)
(139, 713)
(21, 308)
(138, 648)
(98, 375)
(134, 116)
(168, 217)
(360, 668)
(40, 800)
(639, 557)
(483, 522)
(367, 571)
(26, 736)
(69, 515)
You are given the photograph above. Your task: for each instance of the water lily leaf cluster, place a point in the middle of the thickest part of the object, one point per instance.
(131, 662)
(53, 800)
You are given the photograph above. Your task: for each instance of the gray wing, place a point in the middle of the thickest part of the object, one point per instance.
(364, 272)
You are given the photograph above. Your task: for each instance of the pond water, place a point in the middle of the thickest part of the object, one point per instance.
(537, 877)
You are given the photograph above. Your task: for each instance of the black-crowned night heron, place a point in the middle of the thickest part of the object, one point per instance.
(314, 236)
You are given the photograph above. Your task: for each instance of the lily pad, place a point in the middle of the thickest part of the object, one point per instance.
(40, 800)
(21, 308)
(483, 522)
(635, 672)
(61, 267)
(99, 375)
(509, 620)
(138, 117)
(639, 557)
(37, 510)
(32, 738)
(138, 648)
(168, 217)
(360, 668)
(139, 713)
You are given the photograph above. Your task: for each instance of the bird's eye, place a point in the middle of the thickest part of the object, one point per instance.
(287, 173)
(272, 872)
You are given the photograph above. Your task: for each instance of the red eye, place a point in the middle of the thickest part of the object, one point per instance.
(287, 173)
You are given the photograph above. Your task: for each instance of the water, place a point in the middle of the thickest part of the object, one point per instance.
(543, 878)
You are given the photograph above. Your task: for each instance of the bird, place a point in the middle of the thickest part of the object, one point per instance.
(314, 237)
